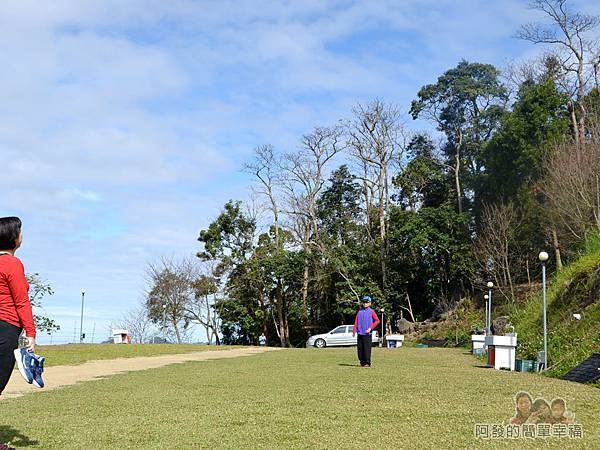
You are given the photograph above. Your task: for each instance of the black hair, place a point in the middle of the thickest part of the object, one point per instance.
(539, 404)
(10, 228)
(523, 394)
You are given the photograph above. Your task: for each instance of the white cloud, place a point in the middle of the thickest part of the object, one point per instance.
(85, 195)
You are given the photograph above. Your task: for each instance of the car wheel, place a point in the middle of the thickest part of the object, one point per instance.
(320, 343)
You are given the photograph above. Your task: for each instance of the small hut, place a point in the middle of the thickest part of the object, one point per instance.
(121, 337)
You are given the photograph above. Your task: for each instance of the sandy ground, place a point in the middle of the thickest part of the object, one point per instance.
(58, 376)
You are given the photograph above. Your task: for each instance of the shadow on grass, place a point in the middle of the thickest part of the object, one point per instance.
(482, 367)
(16, 439)
(348, 365)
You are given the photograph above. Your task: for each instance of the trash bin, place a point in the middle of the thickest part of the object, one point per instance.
(478, 341)
(524, 365)
(501, 351)
(394, 340)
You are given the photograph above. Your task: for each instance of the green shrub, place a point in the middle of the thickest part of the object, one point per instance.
(458, 337)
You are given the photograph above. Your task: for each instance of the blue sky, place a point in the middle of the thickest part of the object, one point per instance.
(124, 125)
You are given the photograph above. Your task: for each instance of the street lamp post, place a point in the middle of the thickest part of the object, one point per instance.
(486, 297)
(81, 320)
(490, 285)
(543, 257)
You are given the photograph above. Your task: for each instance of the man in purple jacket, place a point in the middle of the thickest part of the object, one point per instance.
(365, 321)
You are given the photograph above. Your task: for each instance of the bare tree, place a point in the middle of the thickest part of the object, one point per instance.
(305, 178)
(138, 323)
(495, 247)
(572, 184)
(376, 140)
(201, 308)
(576, 51)
(267, 167)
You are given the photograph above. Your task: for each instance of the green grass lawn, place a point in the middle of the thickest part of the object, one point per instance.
(71, 354)
(301, 398)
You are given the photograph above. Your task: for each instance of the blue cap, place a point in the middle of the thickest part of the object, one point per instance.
(366, 298)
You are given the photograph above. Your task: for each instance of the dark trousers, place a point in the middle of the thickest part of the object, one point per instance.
(363, 344)
(9, 340)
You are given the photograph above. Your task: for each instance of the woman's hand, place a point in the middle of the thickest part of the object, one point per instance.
(31, 344)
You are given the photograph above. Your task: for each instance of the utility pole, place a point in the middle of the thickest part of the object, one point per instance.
(81, 321)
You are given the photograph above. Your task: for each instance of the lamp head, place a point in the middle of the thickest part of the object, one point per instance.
(83, 292)
(490, 284)
(543, 256)
(486, 296)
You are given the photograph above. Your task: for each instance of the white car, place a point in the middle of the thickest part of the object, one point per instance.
(339, 336)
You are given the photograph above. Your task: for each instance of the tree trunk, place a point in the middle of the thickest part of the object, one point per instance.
(457, 173)
(510, 281)
(382, 237)
(382, 228)
(276, 217)
(581, 96)
(208, 322)
(279, 302)
(177, 332)
(286, 331)
(574, 123)
(305, 274)
(284, 325)
(556, 245)
(305, 292)
(263, 308)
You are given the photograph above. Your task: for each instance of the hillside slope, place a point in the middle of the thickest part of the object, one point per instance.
(574, 290)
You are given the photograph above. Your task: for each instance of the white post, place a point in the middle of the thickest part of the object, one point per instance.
(543, 256)
(490, 310)
(490, 285)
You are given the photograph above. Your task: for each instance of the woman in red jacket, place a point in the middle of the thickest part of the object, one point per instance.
(15, 307)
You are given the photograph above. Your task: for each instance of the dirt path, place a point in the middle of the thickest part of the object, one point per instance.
(58, 376)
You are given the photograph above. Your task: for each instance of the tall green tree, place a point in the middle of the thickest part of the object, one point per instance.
(229, 243)
(513, 158)
(229, 239)
(514, 163)
(431, 262)
(348, 259)
(466, 103)
(430, 258)
(423, 182)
